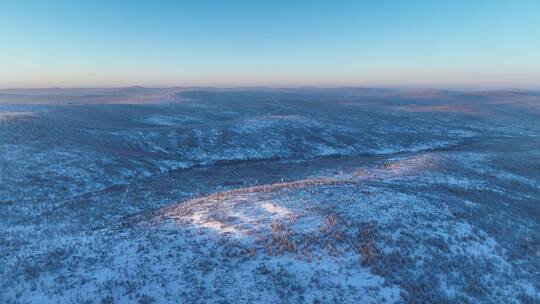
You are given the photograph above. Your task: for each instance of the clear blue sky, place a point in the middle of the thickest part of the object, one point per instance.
(447, 44)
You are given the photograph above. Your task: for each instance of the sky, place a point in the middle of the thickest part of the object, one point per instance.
(108, 43)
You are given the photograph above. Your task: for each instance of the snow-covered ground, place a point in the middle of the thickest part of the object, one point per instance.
(245, 200)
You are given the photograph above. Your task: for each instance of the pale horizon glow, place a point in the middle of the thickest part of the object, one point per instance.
(428, 44)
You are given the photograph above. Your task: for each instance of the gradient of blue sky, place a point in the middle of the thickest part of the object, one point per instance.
(449, 44)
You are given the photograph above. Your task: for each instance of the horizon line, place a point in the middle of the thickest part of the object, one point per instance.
(276, 87)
